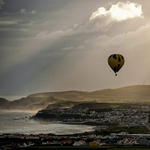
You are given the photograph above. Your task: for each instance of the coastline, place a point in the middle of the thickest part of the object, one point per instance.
(90, 123)
(96, 126)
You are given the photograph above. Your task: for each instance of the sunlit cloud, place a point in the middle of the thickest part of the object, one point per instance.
(119, 12)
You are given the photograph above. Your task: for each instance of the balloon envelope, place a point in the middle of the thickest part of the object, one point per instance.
(116, 61)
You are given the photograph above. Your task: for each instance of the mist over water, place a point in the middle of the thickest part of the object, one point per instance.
(18, 122)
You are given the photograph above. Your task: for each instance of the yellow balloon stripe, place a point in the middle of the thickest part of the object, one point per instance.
(117, 57)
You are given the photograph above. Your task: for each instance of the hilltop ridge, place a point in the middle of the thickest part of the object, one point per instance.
(38, 101)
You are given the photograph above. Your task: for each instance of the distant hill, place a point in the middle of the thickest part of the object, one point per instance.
(3, 103)
(136, 93)
(49, 100)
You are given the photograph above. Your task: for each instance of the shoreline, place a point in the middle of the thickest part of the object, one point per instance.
(88, 123)
(94, 125)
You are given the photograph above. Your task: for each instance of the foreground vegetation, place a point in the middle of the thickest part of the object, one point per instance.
(89, 148)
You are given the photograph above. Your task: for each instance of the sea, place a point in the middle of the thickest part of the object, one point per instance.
(13, 121)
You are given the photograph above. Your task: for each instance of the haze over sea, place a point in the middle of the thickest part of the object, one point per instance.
(13, 121)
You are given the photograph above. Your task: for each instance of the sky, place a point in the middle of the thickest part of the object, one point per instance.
(61, 45)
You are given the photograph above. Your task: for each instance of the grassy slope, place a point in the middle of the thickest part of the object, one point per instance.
(124, 94)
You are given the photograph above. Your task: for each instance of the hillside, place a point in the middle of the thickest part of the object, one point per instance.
(129, 94)
(136, 93)
(3, 103)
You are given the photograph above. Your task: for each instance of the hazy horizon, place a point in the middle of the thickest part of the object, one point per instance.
(55, 45)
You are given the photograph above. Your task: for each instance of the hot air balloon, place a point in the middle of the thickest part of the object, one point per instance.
(116, 61)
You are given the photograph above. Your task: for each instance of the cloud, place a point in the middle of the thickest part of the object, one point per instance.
(1, 3)
(80, 32)
(80, 47)
(22, 11)
(7, 22)
(119, 12)
(33, 12)
(136, 38)
(133, 42)
(53, 35)
(102, 19)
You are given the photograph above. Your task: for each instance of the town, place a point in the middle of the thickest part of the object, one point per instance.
(117, 126)
(132, 116)
(13, 141)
